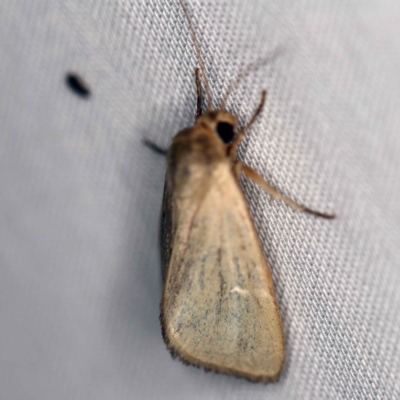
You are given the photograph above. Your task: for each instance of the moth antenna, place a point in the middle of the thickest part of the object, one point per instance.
(198, 53)
(245, 72)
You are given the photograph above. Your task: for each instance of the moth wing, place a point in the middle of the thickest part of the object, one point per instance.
(166, 231)
(219, 309)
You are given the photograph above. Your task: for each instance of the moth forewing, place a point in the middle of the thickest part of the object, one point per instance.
(219, 309)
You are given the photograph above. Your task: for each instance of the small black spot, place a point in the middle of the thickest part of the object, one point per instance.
(77, 85)
(225, 132)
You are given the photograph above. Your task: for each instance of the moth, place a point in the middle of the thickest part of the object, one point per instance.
(218, 309)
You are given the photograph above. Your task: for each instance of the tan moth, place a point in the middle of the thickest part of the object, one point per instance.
(218, 309)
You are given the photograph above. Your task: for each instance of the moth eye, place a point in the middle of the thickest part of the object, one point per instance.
(225, 132)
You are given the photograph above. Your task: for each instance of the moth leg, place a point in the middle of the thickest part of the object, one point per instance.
(155, 147)
(199, 93)
(258, 111)
(232, 149)
(259, 180)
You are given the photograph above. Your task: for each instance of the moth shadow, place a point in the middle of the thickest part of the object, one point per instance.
(137, 286)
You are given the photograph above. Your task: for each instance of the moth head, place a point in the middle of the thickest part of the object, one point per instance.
(221, 122)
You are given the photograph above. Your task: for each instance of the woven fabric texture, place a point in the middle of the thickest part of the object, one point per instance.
(80, 273)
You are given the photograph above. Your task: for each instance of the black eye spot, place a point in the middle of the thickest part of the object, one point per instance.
(225, 132)
(77, 85)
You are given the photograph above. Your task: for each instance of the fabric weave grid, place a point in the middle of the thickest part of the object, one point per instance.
(80, 279)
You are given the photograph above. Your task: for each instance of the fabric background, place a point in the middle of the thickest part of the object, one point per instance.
(80, 277)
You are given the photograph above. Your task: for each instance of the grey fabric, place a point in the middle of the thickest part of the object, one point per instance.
(80, 279)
